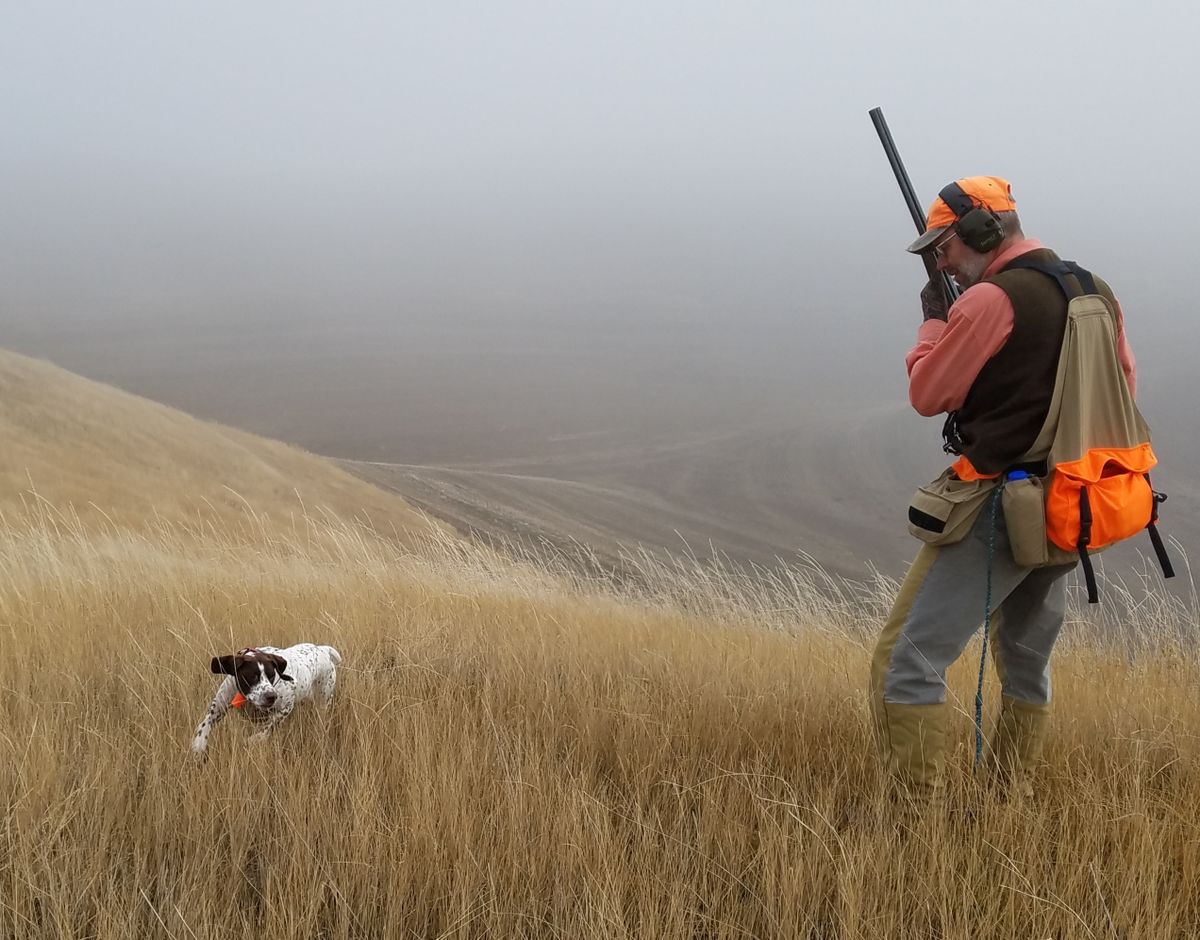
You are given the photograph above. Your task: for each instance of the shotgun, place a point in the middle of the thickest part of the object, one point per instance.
(910, 199)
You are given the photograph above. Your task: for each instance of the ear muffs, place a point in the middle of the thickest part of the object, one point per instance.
(978, 226)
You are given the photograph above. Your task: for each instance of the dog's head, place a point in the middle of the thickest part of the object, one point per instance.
(255, 672)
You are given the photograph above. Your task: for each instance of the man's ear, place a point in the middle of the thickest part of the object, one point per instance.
(224, 665)
(280, 665)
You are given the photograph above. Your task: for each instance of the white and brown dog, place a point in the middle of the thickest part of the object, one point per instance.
(266, 683)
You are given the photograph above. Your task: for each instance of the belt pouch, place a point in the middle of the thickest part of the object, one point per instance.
(1024, 504)
(942, 512)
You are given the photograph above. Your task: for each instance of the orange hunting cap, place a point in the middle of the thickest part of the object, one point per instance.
(991, 192)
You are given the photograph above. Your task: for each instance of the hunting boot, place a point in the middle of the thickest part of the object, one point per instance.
(1017, 745)
(912, 742)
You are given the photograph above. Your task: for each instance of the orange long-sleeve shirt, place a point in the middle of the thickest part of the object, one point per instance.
(944, 364)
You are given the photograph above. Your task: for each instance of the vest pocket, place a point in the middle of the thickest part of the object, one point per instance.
(1121, 505)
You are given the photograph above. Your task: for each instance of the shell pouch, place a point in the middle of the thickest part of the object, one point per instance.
(942, 512)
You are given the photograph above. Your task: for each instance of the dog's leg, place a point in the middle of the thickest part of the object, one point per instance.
(216, 711)
(325, 688)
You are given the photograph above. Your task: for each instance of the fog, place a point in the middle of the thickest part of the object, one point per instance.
(680, 211)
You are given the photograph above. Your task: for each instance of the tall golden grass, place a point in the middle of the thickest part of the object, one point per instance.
(519, 751)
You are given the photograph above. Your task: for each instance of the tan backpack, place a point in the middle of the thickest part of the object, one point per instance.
(1095, 444)
(1098, 491)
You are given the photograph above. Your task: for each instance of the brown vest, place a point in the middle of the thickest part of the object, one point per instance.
(1008, 401)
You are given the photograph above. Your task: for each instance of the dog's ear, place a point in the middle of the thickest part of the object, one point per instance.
(224, 665)
(280, 665)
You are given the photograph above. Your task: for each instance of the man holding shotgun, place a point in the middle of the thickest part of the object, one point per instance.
(988, 359)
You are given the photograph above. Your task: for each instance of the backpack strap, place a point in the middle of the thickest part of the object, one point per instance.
(1085, 536)
(1059, 270)
(1160, 550)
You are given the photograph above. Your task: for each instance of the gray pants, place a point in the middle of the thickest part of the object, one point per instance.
(941, 605)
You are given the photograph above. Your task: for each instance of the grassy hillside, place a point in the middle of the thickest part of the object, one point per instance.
(516, 751)
(103, 455)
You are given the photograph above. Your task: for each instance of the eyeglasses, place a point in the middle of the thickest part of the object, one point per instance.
(940, 248)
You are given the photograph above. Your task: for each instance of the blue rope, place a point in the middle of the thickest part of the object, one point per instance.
(987, 623)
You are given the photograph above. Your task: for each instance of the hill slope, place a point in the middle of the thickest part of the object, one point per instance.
(111, 455)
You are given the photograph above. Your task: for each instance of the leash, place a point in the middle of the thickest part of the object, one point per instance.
(987, 623)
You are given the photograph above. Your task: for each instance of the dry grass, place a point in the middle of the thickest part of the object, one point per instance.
(519, 752)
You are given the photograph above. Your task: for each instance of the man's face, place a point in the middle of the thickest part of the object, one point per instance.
(964, 264)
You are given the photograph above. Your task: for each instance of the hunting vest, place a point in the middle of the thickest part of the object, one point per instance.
(1008, 402)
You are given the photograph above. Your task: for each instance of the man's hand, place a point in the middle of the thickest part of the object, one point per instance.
(933, 300)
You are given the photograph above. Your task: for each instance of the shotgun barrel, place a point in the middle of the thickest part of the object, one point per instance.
(910, 198)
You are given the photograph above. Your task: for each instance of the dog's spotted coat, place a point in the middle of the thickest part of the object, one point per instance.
(266, 683)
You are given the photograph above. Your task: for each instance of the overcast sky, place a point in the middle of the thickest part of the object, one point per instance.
(648, 162)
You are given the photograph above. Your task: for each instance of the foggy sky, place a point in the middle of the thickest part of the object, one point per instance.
(644, 165)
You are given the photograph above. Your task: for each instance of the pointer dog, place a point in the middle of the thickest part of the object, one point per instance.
(266, 683)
